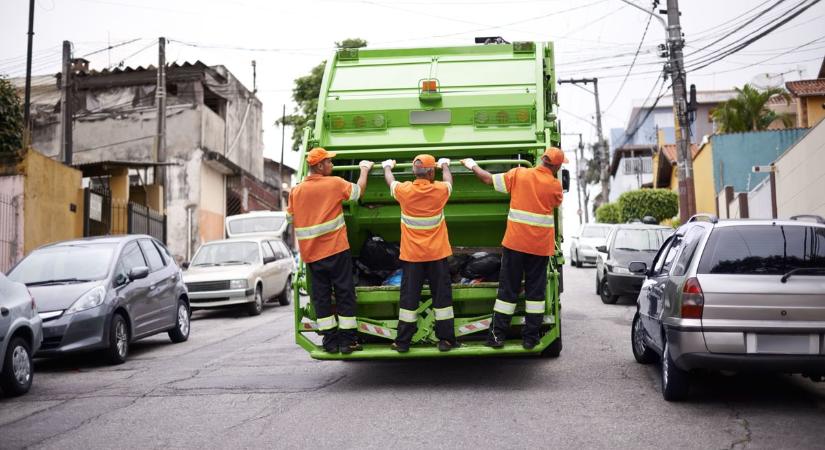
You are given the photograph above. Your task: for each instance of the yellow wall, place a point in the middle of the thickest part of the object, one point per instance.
(703, 180)
(50, 188)
(815, 109)
(212, 207)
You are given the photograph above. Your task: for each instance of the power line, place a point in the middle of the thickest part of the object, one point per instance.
(632, 63)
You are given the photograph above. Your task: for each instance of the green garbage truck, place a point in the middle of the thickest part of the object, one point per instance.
(495, 103)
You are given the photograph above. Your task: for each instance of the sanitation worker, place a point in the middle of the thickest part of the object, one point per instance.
(528, 242)
(425, 247)
(316, 213)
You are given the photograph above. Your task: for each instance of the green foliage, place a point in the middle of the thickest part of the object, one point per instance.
(608, 213)
(306, 92)
(748, 111)
(659, 203)
(11, 118)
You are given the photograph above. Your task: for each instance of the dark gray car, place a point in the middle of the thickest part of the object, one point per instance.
(104, 293)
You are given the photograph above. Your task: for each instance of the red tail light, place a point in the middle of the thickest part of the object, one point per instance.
(429, 86)
(693, 299)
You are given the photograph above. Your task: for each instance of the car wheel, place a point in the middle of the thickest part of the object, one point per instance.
(286, 296)
(642, 353)
(675, 381)
(554, 349)
(604, 292)
(16, 378)
(572, 260)
(255, 308)
(182, 325)
(118, 340)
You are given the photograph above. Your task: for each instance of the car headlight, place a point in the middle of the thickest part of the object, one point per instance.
(89, 300)
(237, 284)
(618, 269)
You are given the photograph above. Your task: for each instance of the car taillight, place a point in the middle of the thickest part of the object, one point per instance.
(693, 300)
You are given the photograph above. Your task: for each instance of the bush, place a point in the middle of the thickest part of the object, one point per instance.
(659, 203)
(11, 118)
(608, 213)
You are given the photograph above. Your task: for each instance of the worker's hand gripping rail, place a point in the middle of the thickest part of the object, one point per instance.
(489, 162)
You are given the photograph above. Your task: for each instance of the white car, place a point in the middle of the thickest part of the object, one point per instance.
(583, 245)
(240, 271)
(257, 223)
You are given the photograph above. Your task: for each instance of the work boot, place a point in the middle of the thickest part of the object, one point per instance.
(529, 344)
(400, 348)
(445, 346)
(351, 347)
(494, 341)
(330, 343)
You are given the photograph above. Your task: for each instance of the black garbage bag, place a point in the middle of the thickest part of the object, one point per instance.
(457, 262)
(378, 254)
(364, 276)
(483, 265)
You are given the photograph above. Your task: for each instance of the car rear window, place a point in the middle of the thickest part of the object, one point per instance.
(595, 232)
(256, 225)
(763, 249)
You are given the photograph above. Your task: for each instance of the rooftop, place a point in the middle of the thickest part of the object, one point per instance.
(806, 88)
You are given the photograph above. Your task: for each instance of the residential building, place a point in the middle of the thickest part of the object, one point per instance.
(810, 95)
(279, 176)
(665, 176)
(631, 167)
(800, 175)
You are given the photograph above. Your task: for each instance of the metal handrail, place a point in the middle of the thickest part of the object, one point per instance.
(488, 162)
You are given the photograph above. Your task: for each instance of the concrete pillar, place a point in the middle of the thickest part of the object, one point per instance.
(119, 184)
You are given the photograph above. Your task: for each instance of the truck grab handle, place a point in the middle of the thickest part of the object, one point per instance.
(488, 162)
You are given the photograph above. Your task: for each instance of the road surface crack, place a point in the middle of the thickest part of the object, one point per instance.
(745, 440)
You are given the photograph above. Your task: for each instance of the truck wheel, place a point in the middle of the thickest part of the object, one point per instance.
(554, 349)
(118, 340)
(286, 296)
(675, 381)
(256, 307)
(604, 292)
(16, 378)
(642, 353)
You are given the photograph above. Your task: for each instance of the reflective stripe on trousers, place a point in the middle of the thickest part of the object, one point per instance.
(534, 306)
(407, 315)
(528, 218)
(504, 307)
(422, 223)
(314, 231)
(347, 323)
(326, 323)
(443, 313)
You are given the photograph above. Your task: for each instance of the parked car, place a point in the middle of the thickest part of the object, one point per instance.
(104, 293)
(21, 332)
(271, 224)
(240, 271)
(583, 245)
(733, 295)
(626, 242)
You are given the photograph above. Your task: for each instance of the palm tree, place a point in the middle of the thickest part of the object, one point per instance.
(748, 111)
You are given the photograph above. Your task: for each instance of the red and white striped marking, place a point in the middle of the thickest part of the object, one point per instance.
(308, 326)
(375, 330)
(473, 327)
(547, 319)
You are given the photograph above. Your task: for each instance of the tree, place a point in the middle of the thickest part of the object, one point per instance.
(748, 111)
(11, 118)
(659, 203)
(608, 213)
(305, 93)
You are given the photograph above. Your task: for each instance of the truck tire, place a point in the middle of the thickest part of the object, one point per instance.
(16, 378)
(554, 349)
(675, 381)
(642, 353)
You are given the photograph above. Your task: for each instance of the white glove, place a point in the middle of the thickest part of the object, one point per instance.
(366, 164)
(388, 164)
(442, 161)
(469, 163)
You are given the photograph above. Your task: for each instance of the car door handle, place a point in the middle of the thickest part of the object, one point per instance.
(4, 311)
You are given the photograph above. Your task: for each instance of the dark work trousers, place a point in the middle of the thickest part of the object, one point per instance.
(328, 275)
(412, 280)
(516, 266)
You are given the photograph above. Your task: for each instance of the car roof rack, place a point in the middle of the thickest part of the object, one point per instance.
(708, 217)
(818, 219)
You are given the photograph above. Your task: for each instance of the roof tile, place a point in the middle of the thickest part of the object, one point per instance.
(806, 88)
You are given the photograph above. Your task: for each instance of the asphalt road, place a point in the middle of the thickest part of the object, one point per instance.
(240, 382)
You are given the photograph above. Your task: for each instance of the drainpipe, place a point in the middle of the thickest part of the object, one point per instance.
(189, 232)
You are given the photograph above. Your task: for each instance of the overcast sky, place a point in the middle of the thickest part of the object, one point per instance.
(593, 38)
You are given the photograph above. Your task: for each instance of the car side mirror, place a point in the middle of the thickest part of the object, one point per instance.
(601, 248)
(121, 279)
(137, 273)
(270, 259)
(565, 180)
(185, 265)
(637, 267)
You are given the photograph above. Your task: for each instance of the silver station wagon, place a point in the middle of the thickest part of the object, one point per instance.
(734, 295)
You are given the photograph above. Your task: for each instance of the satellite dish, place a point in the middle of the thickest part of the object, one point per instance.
(768, 80)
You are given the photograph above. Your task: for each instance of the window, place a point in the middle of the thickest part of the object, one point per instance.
(692, 239)
(227, 253)
(152, 255)
(164, 252)
(256, 225)
(639, 239)
(63, 262)
(595, 231)
(281, 250)
(763, 249)
(268, 253)
(639, 164)
(662, 256)
(130, 258)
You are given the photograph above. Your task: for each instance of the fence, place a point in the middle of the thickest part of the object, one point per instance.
(9, 238)
(142, 220)
(104, 215)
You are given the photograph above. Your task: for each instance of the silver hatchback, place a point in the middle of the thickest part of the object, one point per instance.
(733, 295)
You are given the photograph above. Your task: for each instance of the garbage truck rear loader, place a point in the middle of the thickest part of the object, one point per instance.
(494, 103)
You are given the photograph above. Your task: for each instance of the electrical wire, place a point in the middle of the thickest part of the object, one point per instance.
(632, 63)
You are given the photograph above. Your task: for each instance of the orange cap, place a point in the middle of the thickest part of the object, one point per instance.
(555, 156)
(317, 155)
(427, 161)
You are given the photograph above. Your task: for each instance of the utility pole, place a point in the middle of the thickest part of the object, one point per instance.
(579, 179)
(27, 130)
(601, 148)
(160, 94)
(684, 160)
(254, 78)
(66, 107)
(281, 167)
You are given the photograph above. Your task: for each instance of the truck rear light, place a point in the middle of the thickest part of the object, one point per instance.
(693, 299)
(429, 85)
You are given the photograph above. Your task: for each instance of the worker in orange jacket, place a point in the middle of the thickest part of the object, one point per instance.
(425, 247)
(316, 213)
(528, 242)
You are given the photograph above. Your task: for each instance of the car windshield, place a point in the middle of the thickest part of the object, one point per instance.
(65, 264)
(595, 232)
(763, 250)
(256, 225)
(639, 239)
(227, 253)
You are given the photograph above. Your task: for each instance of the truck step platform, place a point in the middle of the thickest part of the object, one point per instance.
(470, 349)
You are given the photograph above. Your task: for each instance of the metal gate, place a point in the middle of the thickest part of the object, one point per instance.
(9, 239)
(97, 213)
(143, 220)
